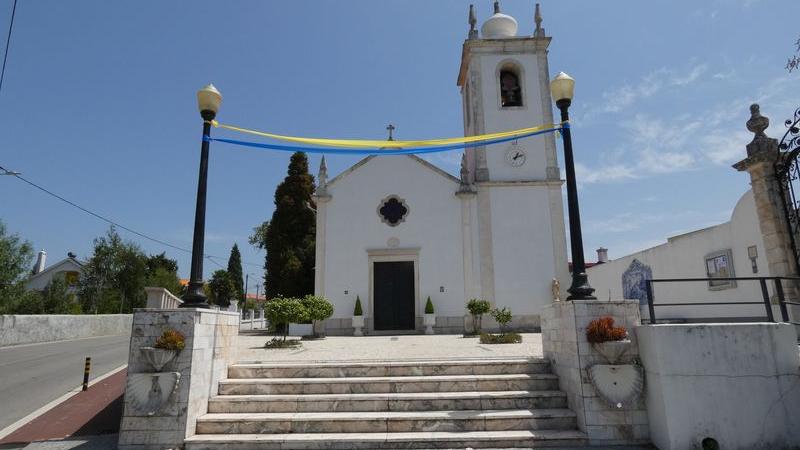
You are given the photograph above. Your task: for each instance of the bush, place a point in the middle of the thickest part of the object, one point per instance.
(170, 340)
(429, 306)
(316, 308)
(357, 311)
(278, 343)
(477, 308)
(505, 338)
(283, 311)
(603, 330)
(503, 317)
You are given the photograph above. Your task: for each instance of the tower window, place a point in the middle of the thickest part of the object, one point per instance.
(393, 210)
(510, 90)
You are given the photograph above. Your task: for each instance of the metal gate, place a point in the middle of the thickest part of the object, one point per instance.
(787, 169)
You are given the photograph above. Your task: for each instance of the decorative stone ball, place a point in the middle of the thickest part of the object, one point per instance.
(499, 26)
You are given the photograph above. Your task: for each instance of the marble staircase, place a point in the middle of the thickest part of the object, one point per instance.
(477, 403)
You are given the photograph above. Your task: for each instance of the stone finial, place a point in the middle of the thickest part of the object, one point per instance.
(473, 32)
(496, 7)
(757, 123)
(323, 174)
(537, 17)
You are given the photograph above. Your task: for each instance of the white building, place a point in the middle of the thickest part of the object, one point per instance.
(68, 269)
(394, 230)
(731, 249)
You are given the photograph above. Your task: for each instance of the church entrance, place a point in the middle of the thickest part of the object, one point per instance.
(393, 296)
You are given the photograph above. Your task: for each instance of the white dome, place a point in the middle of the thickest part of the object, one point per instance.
(499, 26)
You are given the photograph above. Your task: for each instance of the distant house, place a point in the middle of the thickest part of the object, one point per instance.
(68, 269)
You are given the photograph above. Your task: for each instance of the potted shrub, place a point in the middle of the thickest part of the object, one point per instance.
(164, 350)
(358, 318)
(503, 317)
(430, 317)
(317, 308)
(610, 341)
(477, 308)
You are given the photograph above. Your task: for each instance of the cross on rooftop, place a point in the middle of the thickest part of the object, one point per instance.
(390, 128)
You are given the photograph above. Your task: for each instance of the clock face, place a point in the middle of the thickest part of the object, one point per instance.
(515, 155)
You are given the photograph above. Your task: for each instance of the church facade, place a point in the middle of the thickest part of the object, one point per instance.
(395, 230)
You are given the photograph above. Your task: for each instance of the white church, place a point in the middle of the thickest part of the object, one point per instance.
(395, 230)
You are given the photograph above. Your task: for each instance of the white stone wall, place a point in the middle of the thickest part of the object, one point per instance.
(432, 227)
(736, 383)
(564, 344)
(211, 344)
(683, 256)
(27, 329)
(523, 248)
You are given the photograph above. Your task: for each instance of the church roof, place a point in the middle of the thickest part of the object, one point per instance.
(416, 158)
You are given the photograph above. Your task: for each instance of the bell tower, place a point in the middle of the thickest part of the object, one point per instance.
(515, 239)
(504, 85)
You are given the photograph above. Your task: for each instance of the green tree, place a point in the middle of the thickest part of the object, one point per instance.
(235, 272)
(57, 299)
(221, 288)
(282, 311)
(163, 272)
(114, 278)
(16, 256)
(289, 235)
(316, 308)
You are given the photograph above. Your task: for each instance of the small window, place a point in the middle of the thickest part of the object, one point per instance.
(393, 210)
(510, 89)
(720, 265)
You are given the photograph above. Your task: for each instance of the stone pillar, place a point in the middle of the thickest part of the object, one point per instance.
(565, 345)
(762, 154)
(161, 408)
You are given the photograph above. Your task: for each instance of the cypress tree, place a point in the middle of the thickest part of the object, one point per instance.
(289, 268)
(235, 272)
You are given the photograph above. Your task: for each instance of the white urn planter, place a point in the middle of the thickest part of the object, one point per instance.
(358, 324)
(158, 357)
(612, 351)
(429, 321)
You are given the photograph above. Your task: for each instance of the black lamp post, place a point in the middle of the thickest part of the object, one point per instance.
(208, 101)
(562, 88)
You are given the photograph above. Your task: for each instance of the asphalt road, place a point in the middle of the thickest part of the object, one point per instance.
(33, 375)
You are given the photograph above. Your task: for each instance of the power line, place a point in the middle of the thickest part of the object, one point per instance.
(110, 221)
(8, 42)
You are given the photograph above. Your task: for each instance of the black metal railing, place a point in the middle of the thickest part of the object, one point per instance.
(765, 297)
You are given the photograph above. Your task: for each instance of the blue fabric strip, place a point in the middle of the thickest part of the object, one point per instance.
(388, 151)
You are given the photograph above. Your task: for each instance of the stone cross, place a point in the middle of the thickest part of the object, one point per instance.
(390, 128)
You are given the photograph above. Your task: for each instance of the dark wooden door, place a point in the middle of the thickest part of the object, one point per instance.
(393, 295)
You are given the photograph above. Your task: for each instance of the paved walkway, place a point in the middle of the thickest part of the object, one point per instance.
(341, 348)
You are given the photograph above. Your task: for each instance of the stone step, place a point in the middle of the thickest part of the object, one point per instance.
(419, 401)
(414, 440)
(371, 385)
(386, 422)
(389, 368)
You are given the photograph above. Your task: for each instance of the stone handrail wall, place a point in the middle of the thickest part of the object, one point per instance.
(160, 298)
(28, 329)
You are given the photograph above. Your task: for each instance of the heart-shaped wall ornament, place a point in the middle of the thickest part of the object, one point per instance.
(619, 385)
(149, 393)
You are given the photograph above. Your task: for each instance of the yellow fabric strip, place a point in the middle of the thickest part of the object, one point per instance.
(367, 143)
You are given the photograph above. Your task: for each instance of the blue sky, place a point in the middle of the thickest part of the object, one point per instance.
(98, 105)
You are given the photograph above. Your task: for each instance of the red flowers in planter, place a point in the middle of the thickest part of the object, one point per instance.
(603, 330)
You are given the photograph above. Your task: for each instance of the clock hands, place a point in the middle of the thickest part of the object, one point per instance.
(517, 156)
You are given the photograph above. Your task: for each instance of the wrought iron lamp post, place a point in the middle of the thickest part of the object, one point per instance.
(208, 101)
(562, 88)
